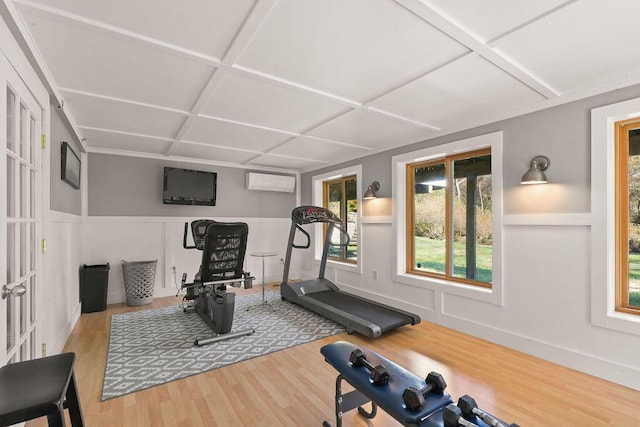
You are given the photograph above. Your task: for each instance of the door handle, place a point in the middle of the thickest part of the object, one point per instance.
(16, 291)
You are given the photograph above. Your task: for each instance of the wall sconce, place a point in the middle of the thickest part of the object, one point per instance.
(371, 191)
(535, 174)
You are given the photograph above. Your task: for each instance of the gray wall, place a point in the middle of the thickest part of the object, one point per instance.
(131, 186)
(64, 198)
(562, 133)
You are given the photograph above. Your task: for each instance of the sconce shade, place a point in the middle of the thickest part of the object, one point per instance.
(371, 191)
(535, 174)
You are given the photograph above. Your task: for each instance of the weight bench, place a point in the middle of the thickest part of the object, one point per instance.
(389, 396)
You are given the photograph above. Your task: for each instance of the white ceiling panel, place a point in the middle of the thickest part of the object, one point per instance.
(233, 135)
(370, 130)
(284, 162)
(117, 141)
(468, 89)
(101, 63)
(580, 45)
(253, 100)
(356, 49)
(317, 149)
(114, 115)
(209, 31)
(487, 19)
(262, 79)
(203, 152)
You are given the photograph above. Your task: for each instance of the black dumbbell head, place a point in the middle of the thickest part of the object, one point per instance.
(451, 414)
(413, 398)
(356, 357)
(467, 404)
(436, 381)
(380, 375)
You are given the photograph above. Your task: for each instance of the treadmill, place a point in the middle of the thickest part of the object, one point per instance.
(366, 317)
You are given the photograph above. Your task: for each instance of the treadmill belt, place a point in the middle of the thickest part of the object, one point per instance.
(369, 311)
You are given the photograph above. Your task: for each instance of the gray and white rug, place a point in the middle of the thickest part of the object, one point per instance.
(153, 347)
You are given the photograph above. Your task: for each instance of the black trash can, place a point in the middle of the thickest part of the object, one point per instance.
(94, 280)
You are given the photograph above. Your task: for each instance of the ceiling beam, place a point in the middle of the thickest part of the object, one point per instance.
(257, 15)
(19, 31)
(251, 25)
(462, 36)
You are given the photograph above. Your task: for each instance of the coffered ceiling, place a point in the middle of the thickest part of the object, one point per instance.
(303, 84)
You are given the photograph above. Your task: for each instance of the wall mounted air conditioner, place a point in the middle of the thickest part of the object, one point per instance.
(267, 182)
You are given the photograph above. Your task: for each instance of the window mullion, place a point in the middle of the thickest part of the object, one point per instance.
(411, 219)
(622, 232)
(448, 219)
(343, 212)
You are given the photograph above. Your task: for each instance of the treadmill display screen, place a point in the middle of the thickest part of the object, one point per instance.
(310, 214)
(314, 214)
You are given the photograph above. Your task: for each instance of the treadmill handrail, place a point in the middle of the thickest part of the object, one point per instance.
(306, 246)
(346, 242)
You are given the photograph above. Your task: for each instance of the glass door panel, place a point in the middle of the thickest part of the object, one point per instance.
(20, 216)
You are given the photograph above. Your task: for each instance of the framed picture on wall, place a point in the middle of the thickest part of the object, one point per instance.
(70, 166)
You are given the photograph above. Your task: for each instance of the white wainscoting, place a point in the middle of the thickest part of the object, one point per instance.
(60, 286)
(113, 239)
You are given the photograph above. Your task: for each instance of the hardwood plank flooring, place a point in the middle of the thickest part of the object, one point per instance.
(295, 387)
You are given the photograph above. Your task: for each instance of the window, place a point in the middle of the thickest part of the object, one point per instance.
(448, 272)
(341, 191)
(340, 196)
(608, 251)
(627, 181)
(449, 218)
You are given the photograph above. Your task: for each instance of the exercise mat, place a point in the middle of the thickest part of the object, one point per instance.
(153, 347)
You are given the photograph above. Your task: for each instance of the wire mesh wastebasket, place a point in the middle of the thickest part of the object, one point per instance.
(139, 280)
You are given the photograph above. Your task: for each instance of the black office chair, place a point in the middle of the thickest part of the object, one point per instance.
(223, 250)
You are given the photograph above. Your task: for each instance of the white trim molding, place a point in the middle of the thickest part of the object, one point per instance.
(316, 195)
(603, 215)
(398, 164)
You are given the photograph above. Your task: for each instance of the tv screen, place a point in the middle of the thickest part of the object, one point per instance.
(189, 187)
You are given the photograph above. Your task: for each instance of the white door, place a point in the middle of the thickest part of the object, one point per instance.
(20, 217)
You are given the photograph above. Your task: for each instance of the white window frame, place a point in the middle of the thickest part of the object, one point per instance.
(603, 284)
(317, 191)
(492, 295)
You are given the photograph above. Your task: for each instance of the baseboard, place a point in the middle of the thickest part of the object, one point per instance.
(624, 375)
(620, 374)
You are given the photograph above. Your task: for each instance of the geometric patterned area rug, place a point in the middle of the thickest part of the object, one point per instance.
(153, 347)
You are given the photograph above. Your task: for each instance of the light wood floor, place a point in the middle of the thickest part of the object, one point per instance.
(295, 387)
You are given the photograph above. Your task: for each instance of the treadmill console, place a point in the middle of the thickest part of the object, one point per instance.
(311, 214)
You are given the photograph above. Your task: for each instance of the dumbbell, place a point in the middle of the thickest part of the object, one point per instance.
(469, 408)
(414, 397)
(379, 373)
(452, 417)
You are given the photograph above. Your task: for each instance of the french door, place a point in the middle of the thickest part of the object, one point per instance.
(20, 217)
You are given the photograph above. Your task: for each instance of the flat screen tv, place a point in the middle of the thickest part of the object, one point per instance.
(70, 166)
(189, 187)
